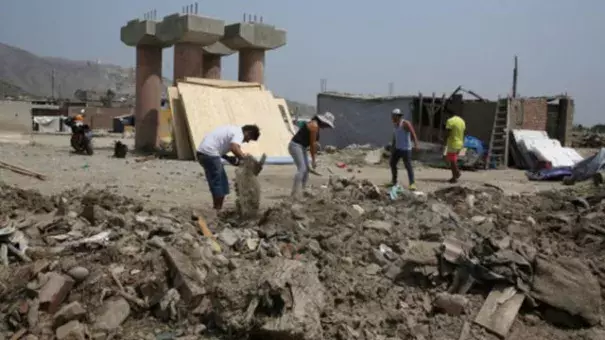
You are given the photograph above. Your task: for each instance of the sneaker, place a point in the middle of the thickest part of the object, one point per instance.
(412, 187)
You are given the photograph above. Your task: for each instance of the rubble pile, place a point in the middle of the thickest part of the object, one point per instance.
(348, 262)
(587, 139)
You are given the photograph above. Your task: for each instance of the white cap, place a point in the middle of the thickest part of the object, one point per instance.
(396, 111)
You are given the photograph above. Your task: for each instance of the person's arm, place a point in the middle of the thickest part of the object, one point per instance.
(408, 126)
(237, 150)
(313, 129)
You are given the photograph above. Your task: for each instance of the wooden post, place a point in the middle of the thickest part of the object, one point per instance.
(420, 112)
(441, 117)
(432, 119)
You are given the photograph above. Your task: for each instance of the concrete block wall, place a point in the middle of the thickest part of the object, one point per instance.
(479, 118)
(15, 116)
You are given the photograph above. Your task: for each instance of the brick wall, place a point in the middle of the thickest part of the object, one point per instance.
(529, 113)
(101, 118)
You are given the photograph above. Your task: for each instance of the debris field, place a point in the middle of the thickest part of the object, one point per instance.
(347, 262)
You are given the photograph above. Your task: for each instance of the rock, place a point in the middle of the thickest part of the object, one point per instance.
(72, 330)
(422, 253)
(373, 269)
(452, 304)
(166, 309)
(54, 291)
(378, 258)
(186, 277)
(358, 210)
(373, 157)
(314, 247)
(70, 312)
(111, 315)
(568, 285)
(228, 236)
(220, 260)
(378, 225)
(478, 219)
(78, 273)
(531, 220)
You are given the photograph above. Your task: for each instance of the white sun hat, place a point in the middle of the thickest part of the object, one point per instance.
(327, 118)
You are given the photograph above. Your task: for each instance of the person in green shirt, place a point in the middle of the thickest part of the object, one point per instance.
(455, 127)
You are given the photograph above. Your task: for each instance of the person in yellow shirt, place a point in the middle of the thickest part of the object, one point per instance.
(455, 127)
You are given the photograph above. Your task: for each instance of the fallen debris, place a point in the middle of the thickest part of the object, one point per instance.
(500, 310)
(22, 171)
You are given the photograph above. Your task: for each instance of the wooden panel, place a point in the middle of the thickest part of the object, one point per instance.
(182, 139)
(285, 112)
(208, 107)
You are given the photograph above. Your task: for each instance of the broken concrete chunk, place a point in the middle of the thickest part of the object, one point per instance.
(500, 309)
(568, 285)
(78, 273)
(186, 277)
(228, 236)
(452, 304)
(72, 330)
(70, 312)
(166, 309)
(422, 253)
(54, 291)
(379, 225)
(111, 315)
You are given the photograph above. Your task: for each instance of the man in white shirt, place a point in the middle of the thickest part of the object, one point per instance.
(214, 148)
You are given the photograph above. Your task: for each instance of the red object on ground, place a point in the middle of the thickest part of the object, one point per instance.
(341, 165)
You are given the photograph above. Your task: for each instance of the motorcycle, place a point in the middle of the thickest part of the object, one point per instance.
(81, 136)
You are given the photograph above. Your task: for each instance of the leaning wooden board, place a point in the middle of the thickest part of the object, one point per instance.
(181, 136)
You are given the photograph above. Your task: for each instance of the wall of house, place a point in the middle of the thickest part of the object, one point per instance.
(361, 120)
(100, 118)
(529, 113)
(479, 119)
(15, 116)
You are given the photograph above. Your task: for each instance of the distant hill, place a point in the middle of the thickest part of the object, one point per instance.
(23, 73)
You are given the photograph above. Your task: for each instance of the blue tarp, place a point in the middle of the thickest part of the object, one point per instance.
(589, 166)
(554, 174)
(474, 143)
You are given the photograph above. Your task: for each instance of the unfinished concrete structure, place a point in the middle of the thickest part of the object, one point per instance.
(197, 41)
(189, 34)
(143, 36)
(213, 55)
(251, 40)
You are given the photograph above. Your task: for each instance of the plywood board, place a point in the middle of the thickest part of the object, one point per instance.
(285, 111)
(182, 138)
(500, 309)
(209, 107)
(222, 83)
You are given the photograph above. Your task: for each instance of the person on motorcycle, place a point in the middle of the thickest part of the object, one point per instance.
(79, 120)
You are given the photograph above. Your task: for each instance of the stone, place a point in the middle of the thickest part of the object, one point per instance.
(358, 210)
(186, 277)
(70, 312)
(78, 273)
(228, 236)
(54, 291)
(72, 330)
(478, 219)
(373, 157)
(378, 225)
(166, 309)
(112, 314)
(452, 304)
(373, 269)
(220, 260)
(567, 284)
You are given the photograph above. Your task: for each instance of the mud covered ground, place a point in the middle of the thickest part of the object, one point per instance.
(350, 263)
(171, 183)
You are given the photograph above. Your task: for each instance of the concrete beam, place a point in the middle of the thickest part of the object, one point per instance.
(137, 32)
(218, 48)
(189, 28)
(259, 36)
(213, 54)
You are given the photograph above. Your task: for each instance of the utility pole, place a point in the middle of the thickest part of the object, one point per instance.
(52, 83)
(515, 74)
(391, 89)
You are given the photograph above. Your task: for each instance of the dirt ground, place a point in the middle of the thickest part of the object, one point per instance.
(164, 182)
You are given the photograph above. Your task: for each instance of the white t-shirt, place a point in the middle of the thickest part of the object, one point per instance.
(218, 142)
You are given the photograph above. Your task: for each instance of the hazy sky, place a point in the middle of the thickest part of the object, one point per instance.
(361, 46)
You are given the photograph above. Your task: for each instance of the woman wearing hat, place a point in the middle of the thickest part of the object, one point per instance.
(307, 137)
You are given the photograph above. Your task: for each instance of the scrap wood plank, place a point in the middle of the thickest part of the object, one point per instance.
(22, 171)
(500, 309)
(206, 232)
(181, 135)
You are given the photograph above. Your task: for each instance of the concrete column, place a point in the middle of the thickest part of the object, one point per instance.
(252, 66)
(252, 40)
(212, 66)
(148, 95)
(565, 121)
(188, 60)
